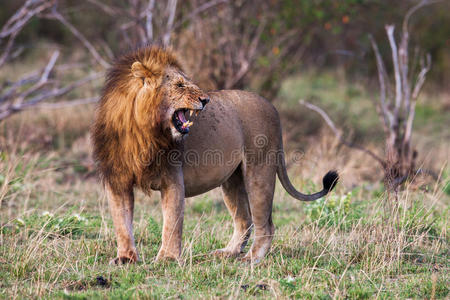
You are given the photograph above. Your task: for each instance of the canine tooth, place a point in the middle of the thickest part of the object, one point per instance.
(190, 113)
(187, 124)
(196, 113)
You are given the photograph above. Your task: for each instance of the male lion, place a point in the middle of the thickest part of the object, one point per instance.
(141, 134)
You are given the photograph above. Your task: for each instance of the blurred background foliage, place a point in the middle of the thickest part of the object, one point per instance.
(272, 38)
(287, 50)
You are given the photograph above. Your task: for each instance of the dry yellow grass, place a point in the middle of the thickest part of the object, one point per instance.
(56, 233)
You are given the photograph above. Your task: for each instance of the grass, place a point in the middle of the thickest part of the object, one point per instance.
(56, 235)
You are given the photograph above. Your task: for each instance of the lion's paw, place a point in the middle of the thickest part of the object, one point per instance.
(118, 261)
(164, 256)
(225, 253)
(248, 259)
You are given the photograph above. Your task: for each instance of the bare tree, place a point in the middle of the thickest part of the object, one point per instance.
(396, 109)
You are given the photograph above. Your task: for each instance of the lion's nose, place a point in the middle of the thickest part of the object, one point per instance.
(204, 101)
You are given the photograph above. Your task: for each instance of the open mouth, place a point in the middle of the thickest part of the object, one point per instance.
(180, 121)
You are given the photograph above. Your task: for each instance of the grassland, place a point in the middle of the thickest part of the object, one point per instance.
(56, 234)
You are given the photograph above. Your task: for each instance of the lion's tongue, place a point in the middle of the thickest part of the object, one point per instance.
(181, 116)
(186, 123)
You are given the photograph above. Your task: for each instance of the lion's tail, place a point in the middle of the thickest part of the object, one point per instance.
(329, 182)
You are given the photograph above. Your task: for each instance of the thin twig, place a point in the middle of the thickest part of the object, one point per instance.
(56, 15)
(56, 92)
(49, 66)
(11, 90)
(110, 10)
(23, 16)
(246, 61)
(43, 80)
(16, 23)
(415, 8)
(62, 91)
(198, 10)
(421, 77)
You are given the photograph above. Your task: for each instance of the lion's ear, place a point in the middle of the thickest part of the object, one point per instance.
(139, 70)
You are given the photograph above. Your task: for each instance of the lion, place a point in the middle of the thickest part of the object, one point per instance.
(156, 130)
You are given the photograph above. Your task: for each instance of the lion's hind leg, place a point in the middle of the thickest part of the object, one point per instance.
(236, 200)
(260, 186)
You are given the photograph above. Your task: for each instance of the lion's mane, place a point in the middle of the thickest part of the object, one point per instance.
(126, 145)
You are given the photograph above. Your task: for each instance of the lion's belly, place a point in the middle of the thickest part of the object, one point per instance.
(200, 180)
(213, 149)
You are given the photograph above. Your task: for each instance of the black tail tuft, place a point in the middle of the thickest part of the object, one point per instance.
(330, 180)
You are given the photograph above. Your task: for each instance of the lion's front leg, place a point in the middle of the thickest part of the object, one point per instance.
(172, 202)
(121, 205)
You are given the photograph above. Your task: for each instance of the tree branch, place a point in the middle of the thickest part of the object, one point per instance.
(395, 62)
(20, 104)
(149, 21)
(15, 24)
(56, 15)
(384, 114)
(412, 109)
(199, 10)
(338, 133)
(246, 61)
(112, 11)
(43, 80)
(171, 9)
(23, 15)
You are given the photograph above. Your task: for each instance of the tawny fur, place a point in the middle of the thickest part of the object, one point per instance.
(236, 142)
(127, 134)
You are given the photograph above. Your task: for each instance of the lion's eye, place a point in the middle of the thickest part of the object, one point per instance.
(180, 85)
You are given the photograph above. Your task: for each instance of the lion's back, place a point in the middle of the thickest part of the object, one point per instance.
(257, 115)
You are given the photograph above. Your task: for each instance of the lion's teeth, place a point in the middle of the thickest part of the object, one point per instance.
(187, 124)
(190, 113)
(196, 113)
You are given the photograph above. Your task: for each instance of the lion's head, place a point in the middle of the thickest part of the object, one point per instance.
(145, 106)
(176, 95)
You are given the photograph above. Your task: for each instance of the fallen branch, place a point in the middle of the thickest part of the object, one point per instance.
(24, 101)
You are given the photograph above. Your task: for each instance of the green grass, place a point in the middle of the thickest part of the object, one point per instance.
(345, 247)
